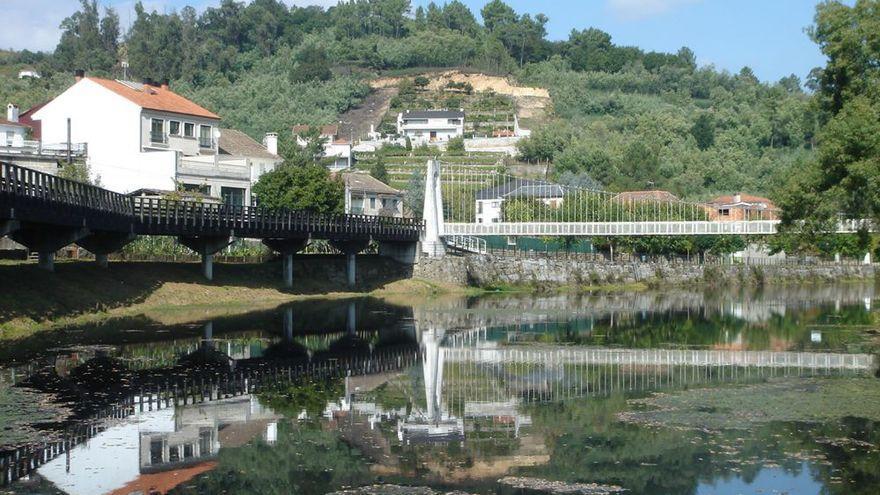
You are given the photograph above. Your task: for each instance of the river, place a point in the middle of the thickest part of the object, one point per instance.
(652, 392)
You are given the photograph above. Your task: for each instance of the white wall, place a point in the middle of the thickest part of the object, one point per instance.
(111, 126)
(18, 134)
(491, 210)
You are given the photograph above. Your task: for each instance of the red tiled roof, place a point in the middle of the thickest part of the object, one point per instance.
(14, 124)
(156, 98)
(326, 130)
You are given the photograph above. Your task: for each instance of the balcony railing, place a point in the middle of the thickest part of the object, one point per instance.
(158, 137)
(44, 149)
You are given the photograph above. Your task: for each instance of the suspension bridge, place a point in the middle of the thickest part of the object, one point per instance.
(462, 202)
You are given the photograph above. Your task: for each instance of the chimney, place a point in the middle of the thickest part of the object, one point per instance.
(737, 198)
(79, 74)
(270, 141)
(12, 112)
(165, 85)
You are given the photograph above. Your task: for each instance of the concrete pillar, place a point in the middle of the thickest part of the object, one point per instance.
(46, 240)
(867, 260)
(432, 213)
(351, 269)
(209, 331)
(287, 247)
(47, 261)
(288, 324)
(351, 319)
(103, 243)
(287, 268)
(208, 266)
(402, 252)
(350, 248)
(206, 246)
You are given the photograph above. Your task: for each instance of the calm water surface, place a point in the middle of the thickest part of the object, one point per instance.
(677, 391)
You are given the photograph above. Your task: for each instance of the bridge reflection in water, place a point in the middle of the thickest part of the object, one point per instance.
(172, 412)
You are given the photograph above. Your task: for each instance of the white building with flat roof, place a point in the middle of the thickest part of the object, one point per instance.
(430, 126)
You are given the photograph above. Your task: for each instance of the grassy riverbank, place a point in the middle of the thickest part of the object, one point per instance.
(79, 293)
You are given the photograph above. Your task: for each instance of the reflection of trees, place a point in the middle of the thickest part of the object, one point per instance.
(311, 396)
(694, 329)
(304, 459)
(588, 444)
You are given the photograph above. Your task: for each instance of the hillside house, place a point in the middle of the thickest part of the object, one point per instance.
(740, 206)
(489, 201)
(335, 147)
(430, 126)
(366, 195)
(29, 73)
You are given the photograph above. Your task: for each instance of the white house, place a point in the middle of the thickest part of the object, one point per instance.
(430, 126)
(489, 201)
(12, 132)
(335, 147)
(367, 195)
(137, 133)
(28, 73)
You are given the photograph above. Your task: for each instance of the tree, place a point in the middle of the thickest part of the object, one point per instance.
(311, 64)
(87, 41)
(703, 131)
(301, 186)
(378, 170)
(414, 196)
(498, 15)
(845, 179)
(455, 145)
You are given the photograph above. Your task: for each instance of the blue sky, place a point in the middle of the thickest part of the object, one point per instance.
(766, 35)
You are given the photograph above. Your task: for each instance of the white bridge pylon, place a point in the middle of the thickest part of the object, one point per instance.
(475, 200)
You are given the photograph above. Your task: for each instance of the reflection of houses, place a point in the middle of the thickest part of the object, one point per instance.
(366, 195)
(489, 201)
(199, 432)
(646, 196)
(430, 126)
(335, 147)
(741, 207)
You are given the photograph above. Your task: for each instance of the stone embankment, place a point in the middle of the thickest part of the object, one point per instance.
(499, 271)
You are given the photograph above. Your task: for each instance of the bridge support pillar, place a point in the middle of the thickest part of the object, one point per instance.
(206, 246)
(287, 248)
(350, 248)
(432, 243)
(104, 243)
(402, 252)
(46, 239)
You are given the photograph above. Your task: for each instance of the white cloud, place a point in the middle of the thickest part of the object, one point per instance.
(632, 10)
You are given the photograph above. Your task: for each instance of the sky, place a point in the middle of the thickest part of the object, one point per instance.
(766, 35)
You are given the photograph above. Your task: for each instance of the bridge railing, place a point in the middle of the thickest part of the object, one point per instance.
(176, 217)
(25, 182)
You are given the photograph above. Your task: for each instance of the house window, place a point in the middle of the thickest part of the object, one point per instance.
(10, 135)
(373, 203)
(232, 196)
(480, 207)
(174, 128)
(156, 451)
(157, 131)
(198, 188)
(205, 138)
(724, 212)
(454, 121)
(189, 130)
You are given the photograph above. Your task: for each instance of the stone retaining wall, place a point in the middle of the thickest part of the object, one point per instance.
(493, 271)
